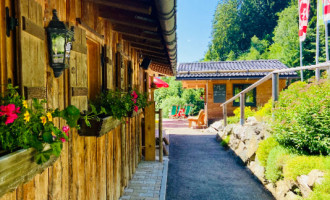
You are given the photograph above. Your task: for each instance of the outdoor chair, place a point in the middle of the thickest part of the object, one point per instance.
(173, 112)
(188, 109)
(197, 122)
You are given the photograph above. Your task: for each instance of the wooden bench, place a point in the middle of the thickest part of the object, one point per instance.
(197, 122)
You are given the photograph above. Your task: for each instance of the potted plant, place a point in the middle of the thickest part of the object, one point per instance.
(29, 137)
(108, 111)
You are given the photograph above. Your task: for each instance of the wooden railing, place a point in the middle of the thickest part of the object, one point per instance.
(274, 75)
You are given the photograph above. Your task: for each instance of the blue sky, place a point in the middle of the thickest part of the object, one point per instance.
(194, 26)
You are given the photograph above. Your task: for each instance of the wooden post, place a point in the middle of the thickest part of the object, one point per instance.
(225, 115)
(160, 130)
(242, 106)
(275, 86)
(150, 139)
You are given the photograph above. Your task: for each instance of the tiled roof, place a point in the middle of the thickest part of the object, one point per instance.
(230, 65)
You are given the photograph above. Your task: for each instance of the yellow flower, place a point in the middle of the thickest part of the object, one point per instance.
(27, 116)
(49, 116)
(53, 134)
(43, 120)
(25, 104)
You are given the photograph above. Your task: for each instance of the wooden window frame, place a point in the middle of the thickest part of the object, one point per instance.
(236, 104)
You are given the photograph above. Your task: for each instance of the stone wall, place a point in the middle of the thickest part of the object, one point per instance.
(244, 141)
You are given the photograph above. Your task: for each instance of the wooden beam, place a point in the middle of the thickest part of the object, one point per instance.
(160, 54)
(145, 42)
(130, 5)
(146, 48)
(128, 18)
(135, 32)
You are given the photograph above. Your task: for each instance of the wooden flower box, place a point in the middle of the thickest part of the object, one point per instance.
(98, 128)
(19, 167)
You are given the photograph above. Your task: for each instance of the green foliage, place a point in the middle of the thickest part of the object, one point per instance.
(237, 115)
(302, 165)
(176, 95)
(264, 113)
(117, 104)
(25, 124)
(302, 118)
(225, 141)
(264, 148)
(275, 162)
(237, 22)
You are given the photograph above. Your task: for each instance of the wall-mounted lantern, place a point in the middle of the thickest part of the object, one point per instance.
(59, 44)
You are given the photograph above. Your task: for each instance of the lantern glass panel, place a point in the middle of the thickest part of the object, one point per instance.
(58, 41)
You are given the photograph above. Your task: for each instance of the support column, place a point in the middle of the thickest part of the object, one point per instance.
(242, 106)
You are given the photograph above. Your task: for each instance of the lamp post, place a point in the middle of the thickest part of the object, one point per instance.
(59, 44)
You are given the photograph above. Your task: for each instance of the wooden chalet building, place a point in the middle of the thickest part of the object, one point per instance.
(111, 40)
(223, 80)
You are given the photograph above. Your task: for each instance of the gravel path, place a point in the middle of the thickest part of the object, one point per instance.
(200, 168)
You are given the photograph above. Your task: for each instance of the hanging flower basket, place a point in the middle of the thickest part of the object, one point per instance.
(98, 127)
(20, 167)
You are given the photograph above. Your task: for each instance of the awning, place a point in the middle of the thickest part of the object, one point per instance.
(159, 83)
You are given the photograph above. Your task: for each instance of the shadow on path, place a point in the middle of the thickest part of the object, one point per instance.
(200, 168)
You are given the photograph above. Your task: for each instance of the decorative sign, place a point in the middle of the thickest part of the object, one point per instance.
(219, 93)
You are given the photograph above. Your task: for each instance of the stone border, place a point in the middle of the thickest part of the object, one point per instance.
(162, 194)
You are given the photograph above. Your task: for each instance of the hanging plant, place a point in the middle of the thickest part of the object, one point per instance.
(26, 124)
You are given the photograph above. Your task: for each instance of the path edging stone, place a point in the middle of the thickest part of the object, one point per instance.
(162, 194)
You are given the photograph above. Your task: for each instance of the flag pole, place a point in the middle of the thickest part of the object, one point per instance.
(317, 71)
(301, 62)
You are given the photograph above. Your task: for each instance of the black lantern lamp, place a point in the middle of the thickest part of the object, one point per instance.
(59, 44)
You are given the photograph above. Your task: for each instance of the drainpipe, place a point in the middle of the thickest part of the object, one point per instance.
(167, 18)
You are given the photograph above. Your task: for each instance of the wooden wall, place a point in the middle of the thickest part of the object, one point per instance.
(264, 93)
(214, 111)
(89, 167)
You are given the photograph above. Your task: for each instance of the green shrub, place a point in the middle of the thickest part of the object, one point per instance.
(302, 118)
(225, 141)
(304, 164)
(264, 113)
(170, 101)
(321, 191)
(264, 148)
(237, 115)
(276, 159)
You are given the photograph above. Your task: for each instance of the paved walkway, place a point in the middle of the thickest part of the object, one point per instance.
(148, 182)
(200, 169)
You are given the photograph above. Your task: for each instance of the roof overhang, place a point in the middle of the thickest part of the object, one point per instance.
(148, 25)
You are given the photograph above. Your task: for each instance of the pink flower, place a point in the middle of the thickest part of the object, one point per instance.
(10, 111)
(65, 129)
(136, 108)
(134, 95)
(134, 100)
(62, 139)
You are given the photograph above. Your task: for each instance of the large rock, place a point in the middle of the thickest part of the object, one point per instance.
(251, 121)
(291, 196)
(271, 187)
(303, 185)
(282, 188)
(238, 131)
(315, 176)
(241, 151)
(218, 125)
(257, 170)
(252, 146)
(233, 142)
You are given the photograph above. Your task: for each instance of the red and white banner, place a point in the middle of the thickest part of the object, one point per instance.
(326, 10)
(303, 18)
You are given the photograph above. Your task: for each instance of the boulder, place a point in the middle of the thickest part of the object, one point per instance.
(238, 131)
(228, 129)
(303, 185)
(315, 176)
(218, 125)
(251, 121)
(252, 146)
(241, 151)
(233, 142)
(291, 196)
(282, 188)
(271, 188)
(257, 170)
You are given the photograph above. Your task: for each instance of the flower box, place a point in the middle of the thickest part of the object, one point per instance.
(98, 128)
(19, 167)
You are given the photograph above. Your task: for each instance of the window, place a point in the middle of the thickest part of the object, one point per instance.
(94, 69)
(250, 97)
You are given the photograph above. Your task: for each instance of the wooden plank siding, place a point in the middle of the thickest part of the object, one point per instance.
(89, 167)
(214, 111)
